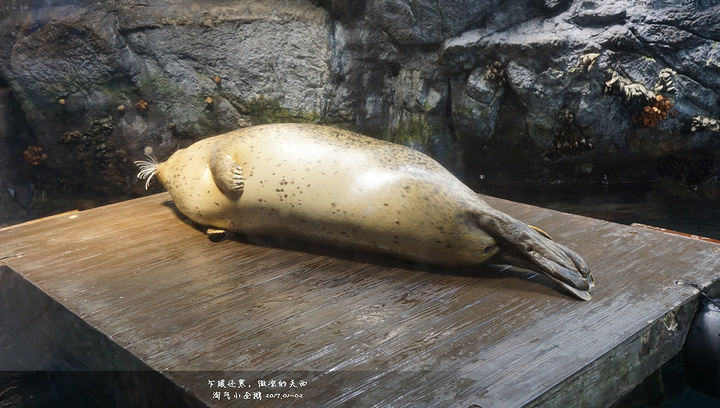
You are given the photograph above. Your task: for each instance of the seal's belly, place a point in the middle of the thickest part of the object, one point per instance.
(340, 194)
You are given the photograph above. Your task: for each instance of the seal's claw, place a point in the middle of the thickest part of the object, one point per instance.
(581, 294)
(238, 179)
(579, 264)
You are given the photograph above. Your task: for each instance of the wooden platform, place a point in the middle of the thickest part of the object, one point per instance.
(161, 315)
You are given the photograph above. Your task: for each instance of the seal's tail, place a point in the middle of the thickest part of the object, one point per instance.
(148, 169)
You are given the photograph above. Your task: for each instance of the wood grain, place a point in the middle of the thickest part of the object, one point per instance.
(360, 329)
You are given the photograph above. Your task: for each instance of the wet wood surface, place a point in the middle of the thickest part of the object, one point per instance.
(292, 320)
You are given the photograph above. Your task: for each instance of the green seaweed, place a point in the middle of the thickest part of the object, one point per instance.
(414, 132)
(263, 109)
(158, 88)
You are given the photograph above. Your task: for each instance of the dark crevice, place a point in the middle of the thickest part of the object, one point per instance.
(442, 20)
(449, 118)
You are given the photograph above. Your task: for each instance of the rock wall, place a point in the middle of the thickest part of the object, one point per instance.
(528, 91)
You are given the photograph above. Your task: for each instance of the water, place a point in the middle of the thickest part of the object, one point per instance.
(689, 210)
(41, 390)
(667, 388)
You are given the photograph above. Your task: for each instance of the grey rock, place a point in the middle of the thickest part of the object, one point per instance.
(476, 102)
(412, 71)
(597, 15)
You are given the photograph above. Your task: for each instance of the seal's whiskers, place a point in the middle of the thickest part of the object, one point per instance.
(148, 169)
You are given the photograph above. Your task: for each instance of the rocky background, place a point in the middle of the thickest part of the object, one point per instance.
(526, 91)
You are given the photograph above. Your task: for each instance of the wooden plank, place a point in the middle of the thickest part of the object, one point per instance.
(38, 333)
(360, 329)
(682, 234)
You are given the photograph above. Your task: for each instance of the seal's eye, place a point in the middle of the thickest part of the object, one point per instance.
(488, 249)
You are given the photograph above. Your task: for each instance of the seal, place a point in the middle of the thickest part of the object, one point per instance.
(335, 187)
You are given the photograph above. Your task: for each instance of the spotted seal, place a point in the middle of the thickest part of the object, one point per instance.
(331, 186)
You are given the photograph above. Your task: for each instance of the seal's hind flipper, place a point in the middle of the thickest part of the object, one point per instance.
(531, 248)
(228, 174)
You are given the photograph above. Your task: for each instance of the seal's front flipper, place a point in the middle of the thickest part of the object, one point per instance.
(217, 235)
(228, 174)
